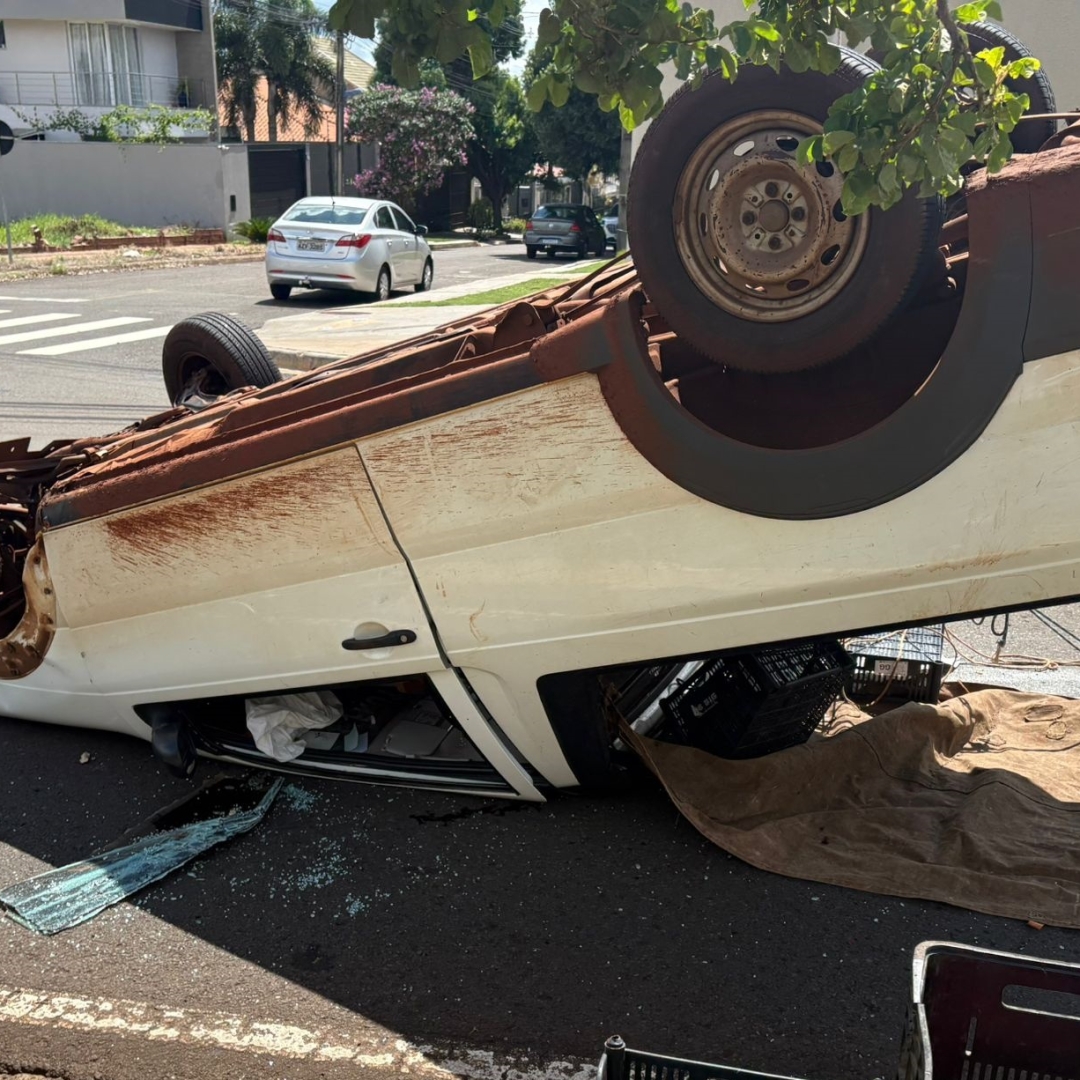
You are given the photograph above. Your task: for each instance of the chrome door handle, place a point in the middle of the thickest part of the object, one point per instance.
(392, 637)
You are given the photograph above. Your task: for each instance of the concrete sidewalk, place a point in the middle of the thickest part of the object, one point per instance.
(307, 341)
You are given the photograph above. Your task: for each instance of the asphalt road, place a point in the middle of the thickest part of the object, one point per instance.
(81, 355)
(401, 931)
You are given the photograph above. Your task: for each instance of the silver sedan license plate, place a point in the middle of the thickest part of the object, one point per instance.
(309, 245)
(552, 240)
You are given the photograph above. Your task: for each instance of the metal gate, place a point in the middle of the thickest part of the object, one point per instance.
(277, 176)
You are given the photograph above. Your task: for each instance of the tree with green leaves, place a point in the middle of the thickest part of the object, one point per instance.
(578, 136)
(421, 135)
(275, 44)
(935, 106)
(503, 148)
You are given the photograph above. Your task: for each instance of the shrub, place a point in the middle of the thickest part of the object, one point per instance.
(254, 230)
(482, 216)
(514, 225)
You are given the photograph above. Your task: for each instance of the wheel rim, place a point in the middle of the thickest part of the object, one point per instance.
(429, 273)
(761, 236)
(384, 285)
(200, 382)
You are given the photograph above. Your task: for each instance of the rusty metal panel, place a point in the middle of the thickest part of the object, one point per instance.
(306, 521)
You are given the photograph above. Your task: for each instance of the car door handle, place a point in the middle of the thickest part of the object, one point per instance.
(393, 637)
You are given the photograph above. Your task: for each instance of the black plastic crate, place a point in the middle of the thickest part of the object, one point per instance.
(904, 665)
(752, 703)
(980, 1015)
(621, 1063)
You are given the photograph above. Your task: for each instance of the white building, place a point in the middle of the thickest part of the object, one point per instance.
(92, 55)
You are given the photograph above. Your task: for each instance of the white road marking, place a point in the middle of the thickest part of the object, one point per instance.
(369, 1045)
(46, 299)
(29, 320)
(97, 343)
(71, 328)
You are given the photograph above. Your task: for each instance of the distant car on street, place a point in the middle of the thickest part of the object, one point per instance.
(611, 225)
(364, 245)
(564, 227)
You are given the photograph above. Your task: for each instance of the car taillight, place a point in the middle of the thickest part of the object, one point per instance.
(575, 227)
(529, 226)
(275, 237)
(360, 242)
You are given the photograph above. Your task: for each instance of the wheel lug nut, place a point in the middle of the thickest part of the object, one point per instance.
(772, 189)
(799, 213)
(775, 242)
(749, 218)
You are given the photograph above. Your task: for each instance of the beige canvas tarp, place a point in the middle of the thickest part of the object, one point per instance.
(973, 802)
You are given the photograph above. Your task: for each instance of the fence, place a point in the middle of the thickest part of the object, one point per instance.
(103, 89)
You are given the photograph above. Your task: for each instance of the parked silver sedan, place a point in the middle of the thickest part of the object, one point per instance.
(364, 245)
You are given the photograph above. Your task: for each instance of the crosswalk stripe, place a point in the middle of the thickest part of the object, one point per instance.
(71, 328)
(47, 299)
(97, 343)
(29, 320)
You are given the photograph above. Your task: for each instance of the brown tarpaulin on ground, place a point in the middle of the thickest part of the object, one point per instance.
(973, 802)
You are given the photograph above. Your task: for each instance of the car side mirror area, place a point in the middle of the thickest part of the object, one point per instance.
(421, 230)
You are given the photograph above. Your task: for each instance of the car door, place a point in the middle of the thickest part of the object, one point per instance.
(396, 252)
(410, 245)
(279, 580)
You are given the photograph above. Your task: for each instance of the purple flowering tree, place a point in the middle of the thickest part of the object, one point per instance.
(421, 134)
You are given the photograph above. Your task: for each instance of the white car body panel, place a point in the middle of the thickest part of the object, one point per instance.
(555, 560)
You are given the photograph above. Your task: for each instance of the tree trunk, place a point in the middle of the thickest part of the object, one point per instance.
(248, 112)
(271, 111)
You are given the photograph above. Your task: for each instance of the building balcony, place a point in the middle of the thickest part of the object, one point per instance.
(102, 90)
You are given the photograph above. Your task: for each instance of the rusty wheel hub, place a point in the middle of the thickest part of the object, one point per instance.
(761, 235)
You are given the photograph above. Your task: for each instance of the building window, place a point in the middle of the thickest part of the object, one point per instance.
(105, 62)
(3, 40)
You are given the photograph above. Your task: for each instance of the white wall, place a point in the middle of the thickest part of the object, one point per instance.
(135, 185)
(34, 45)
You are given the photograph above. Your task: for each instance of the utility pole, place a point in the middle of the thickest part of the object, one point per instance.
(339, 148)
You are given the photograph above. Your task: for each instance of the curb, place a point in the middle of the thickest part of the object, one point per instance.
(447, 245)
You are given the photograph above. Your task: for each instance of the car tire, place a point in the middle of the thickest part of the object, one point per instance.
(551, 253)
(582, 251)
(281, 292)
(424, 284)
(530, 252)
(821, 311)
(382, 285)
(210, 354)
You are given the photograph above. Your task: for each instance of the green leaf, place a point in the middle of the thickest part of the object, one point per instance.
(829, 58)
(888, 179)
(797, 56)
(559, 91)
(847, 159)
(482, 57)
(537, 94)
(810, 150)
(985, 73)
(549, 29)
(473, 14)
(405, 69)
(999, 156)
(837, 140)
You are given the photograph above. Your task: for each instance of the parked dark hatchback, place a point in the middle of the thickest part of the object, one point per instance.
(565, 227)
